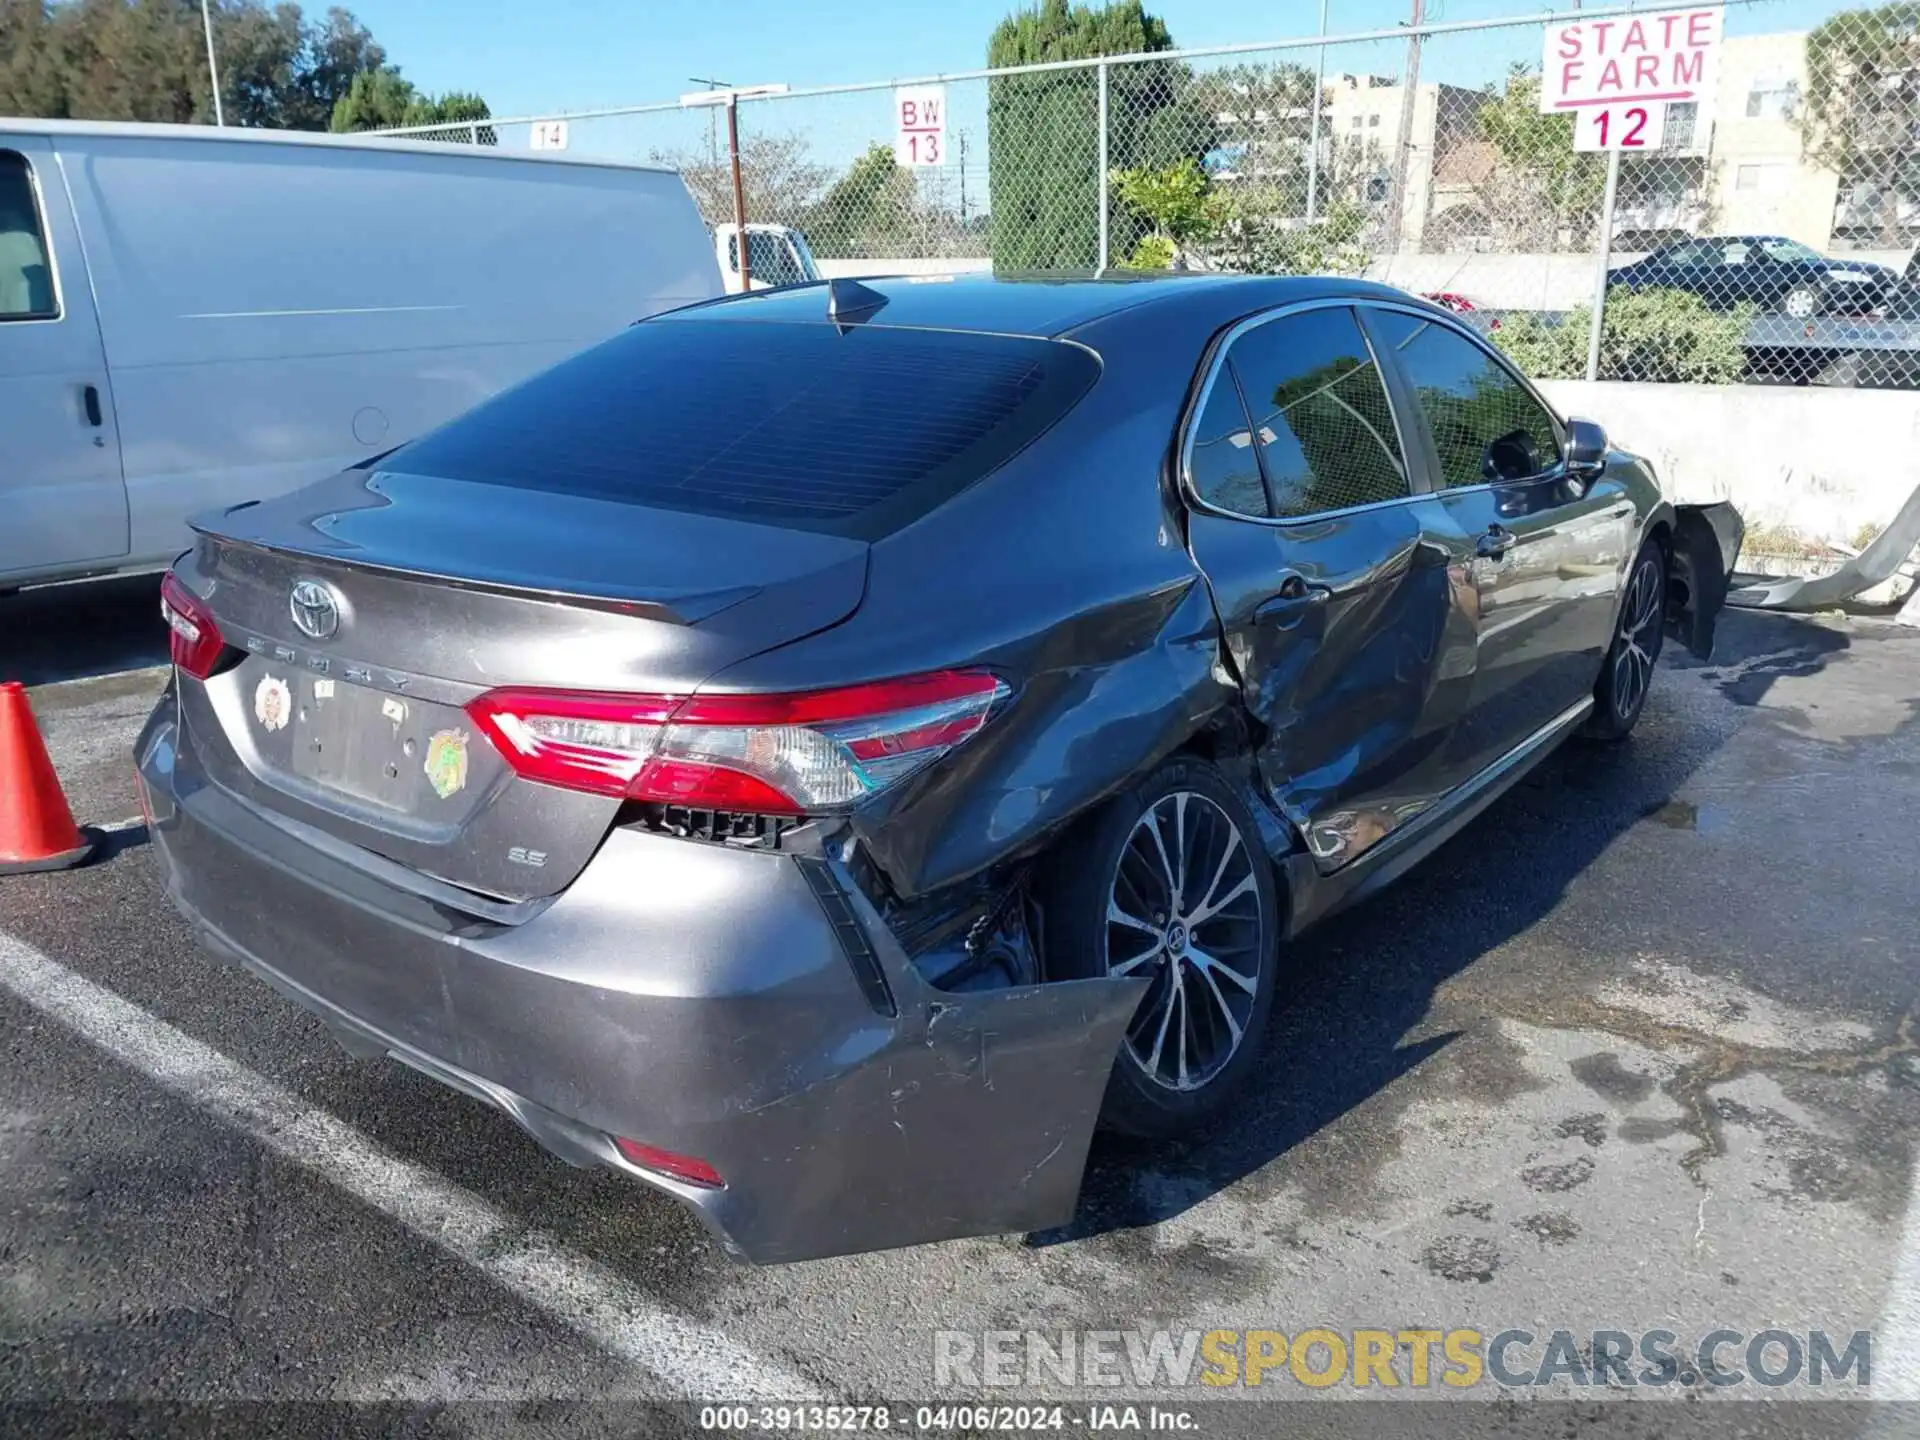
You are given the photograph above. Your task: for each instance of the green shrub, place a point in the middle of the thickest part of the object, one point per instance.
(1668, 336)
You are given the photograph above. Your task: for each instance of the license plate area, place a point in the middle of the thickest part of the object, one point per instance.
(399, 754)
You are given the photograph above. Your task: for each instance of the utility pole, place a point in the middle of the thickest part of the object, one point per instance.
(1313, 144)
(713, 120)
(963, 182)
(213, 65)
(1403, 161)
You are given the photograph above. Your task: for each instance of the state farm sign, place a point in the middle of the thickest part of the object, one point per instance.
(1650, 59)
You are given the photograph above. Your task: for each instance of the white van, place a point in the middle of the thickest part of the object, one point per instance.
(191, 317)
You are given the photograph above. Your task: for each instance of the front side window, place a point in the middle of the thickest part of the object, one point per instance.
(1486, 425)
(26, 275)
(1322, 427)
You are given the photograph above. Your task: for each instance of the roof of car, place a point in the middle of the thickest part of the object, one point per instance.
(360, 140)
(1051, 305)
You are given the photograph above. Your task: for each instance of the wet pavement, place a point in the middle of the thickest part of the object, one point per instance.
(1632, 1052)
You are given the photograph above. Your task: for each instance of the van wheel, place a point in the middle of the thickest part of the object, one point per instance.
(1169, 883)
(1627, 674)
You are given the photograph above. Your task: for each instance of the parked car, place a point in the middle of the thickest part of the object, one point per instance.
(191, 316)
(1769, 272)
(819, 751)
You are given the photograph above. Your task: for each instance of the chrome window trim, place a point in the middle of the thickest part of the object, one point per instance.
(1191, 492)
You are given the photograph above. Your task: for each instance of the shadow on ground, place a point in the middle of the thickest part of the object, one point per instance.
(1349, 1020)
(76, 632)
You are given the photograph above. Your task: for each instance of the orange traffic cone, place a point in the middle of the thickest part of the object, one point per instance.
(36, 827)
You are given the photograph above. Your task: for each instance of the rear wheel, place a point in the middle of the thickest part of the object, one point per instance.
(1169, 883)
(1627, 674)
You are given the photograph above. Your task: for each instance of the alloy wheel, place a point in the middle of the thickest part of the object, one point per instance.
(1638, 642)
(1800, 304)
(1184, 912)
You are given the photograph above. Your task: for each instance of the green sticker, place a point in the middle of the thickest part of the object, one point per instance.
(447, 762)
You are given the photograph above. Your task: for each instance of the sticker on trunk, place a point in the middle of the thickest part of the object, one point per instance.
(272, 702)
(447, 762)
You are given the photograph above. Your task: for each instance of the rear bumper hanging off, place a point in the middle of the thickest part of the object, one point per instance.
(694, 997)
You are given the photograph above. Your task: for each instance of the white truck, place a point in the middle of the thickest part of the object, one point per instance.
(776, 255)
(191, 317)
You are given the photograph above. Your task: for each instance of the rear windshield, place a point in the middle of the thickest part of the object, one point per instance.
(788, 424)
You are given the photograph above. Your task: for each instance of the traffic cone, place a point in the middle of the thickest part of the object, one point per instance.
(36, 827)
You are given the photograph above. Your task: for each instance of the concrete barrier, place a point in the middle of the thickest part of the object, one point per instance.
(1530, 282)
(1822, 462)
(854, 269)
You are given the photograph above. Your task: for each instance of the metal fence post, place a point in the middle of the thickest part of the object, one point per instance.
(1101, 71)
(1601, 258)
(474, 131)
(1313, 143)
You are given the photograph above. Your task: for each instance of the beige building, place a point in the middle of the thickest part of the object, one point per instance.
(1759, 182)
(1364, 114)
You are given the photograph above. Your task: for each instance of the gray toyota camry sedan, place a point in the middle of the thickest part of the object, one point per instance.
(821, 752)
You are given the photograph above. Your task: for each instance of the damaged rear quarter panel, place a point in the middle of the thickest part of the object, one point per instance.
(1067, 572)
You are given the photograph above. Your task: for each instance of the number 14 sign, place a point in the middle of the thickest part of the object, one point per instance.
(1636, 125)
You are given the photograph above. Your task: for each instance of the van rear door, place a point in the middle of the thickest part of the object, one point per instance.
(61, 489)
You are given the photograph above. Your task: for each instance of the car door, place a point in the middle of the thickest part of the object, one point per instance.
(1350, 640)
(61, 491)
(1544, 554)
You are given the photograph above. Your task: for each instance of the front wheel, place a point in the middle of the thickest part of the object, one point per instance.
(1169, 883)
(1802, 302)
(1627, 675)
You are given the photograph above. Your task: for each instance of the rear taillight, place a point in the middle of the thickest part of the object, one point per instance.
(195, 641)
(772, 754)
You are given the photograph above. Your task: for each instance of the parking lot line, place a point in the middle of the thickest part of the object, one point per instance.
(687, 1358)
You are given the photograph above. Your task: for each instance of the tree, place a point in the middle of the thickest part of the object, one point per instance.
(1542, 194)
(780, 179)
(382, 99)
(147, 60)
(868, 213)
(1176, 201)
(1862, 113)
(1043, 129)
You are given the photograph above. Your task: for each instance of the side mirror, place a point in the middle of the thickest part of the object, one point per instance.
(1586, 451)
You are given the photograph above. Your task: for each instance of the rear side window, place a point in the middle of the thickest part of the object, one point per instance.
(1322, 427)
(26, 275)
(786, 424)
(1220, 458)
(1486, 425)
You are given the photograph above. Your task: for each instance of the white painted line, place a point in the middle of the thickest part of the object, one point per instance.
(688, 1358)
(1896, 1340)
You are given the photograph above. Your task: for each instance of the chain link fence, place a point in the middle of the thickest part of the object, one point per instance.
(1767, 236)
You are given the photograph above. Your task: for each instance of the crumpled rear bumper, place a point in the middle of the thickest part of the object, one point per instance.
(694, 997)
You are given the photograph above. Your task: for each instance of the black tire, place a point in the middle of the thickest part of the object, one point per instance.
(1638, 631)
(1803, 301)
(1220, 1007)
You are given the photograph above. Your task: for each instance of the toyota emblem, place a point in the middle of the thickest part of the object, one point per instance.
(315, 609)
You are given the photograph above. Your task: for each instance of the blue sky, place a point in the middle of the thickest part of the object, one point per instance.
(529, 56)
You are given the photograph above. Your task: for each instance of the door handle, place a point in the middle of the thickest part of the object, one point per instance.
(90, 403)
(1495, 543)
(1295, 595)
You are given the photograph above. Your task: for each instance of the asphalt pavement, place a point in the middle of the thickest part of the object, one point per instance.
(1631, 1053)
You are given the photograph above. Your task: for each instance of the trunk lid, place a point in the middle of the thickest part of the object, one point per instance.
(420, 592)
